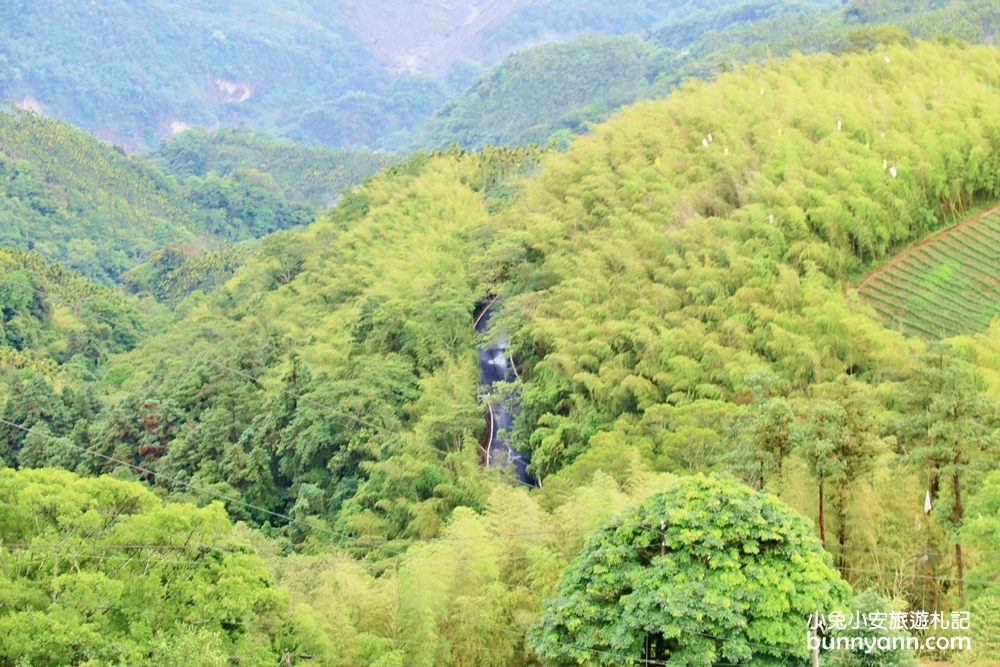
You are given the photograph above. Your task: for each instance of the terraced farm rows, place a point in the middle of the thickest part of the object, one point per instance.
(945, 286)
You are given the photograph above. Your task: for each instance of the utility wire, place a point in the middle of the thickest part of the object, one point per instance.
(436, 540)
(345, 539)
(259, 382)
(215, 494)
(488, 558)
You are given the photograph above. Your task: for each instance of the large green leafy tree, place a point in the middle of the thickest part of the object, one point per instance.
(709, 571)
(100, 571)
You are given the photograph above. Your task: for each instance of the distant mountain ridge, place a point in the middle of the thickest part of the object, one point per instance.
(334, 72)
(555, 90)
(82, 202)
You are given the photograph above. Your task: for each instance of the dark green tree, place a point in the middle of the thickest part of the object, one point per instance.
(947, 433)
(867, 602)
(762, 437)
(838, 440)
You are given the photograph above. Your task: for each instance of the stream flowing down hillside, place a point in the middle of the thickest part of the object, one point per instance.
(495, 365)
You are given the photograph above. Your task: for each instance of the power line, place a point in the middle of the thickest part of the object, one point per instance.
(259, 382)
(488, 558)
(914, 575)
(243, 374)
(215, 494)
(859, 547)
(436, 540)
(122, 559)
(57, 545)
(344, 538)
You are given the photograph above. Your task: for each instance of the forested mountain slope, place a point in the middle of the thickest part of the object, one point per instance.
(707, 245)
(563, 85)
(54, 320)
(82, 202)
(713, 247)
(78, 200)
(521, 101)
(676, 288)
(359, 330)
(59, 331)
(554, 90)
(133, 72)
(307, 174)
(338, 72)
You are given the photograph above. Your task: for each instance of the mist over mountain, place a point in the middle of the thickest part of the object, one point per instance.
(335, 72)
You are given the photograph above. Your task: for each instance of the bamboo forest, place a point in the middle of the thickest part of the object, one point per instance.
(489, 334)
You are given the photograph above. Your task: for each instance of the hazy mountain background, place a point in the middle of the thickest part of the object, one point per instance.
(249, 106)
(334, 72)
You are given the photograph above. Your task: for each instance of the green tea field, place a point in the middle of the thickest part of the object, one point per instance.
(945, 286)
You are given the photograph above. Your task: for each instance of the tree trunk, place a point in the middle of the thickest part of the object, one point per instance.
(841, 532)
(655, 652)
(822, 519)
(961, 574)
(957, 513)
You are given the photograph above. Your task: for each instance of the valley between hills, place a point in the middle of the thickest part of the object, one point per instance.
(610, 356)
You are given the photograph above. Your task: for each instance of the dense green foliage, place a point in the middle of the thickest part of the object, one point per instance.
(677, 290)
(55, 321)
(78, 200)
(556, 90)
(59, 332)
(867, 602)
(731, 211)
(709, 571)
(515, 104)
(320, 71)
(85, 204)
(177, 270)
(101, 572)
(310, 174)
(732, 216)
(334, 316)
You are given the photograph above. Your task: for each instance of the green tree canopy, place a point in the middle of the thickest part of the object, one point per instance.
(707, 571)
(949, 433)
(100, 571)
